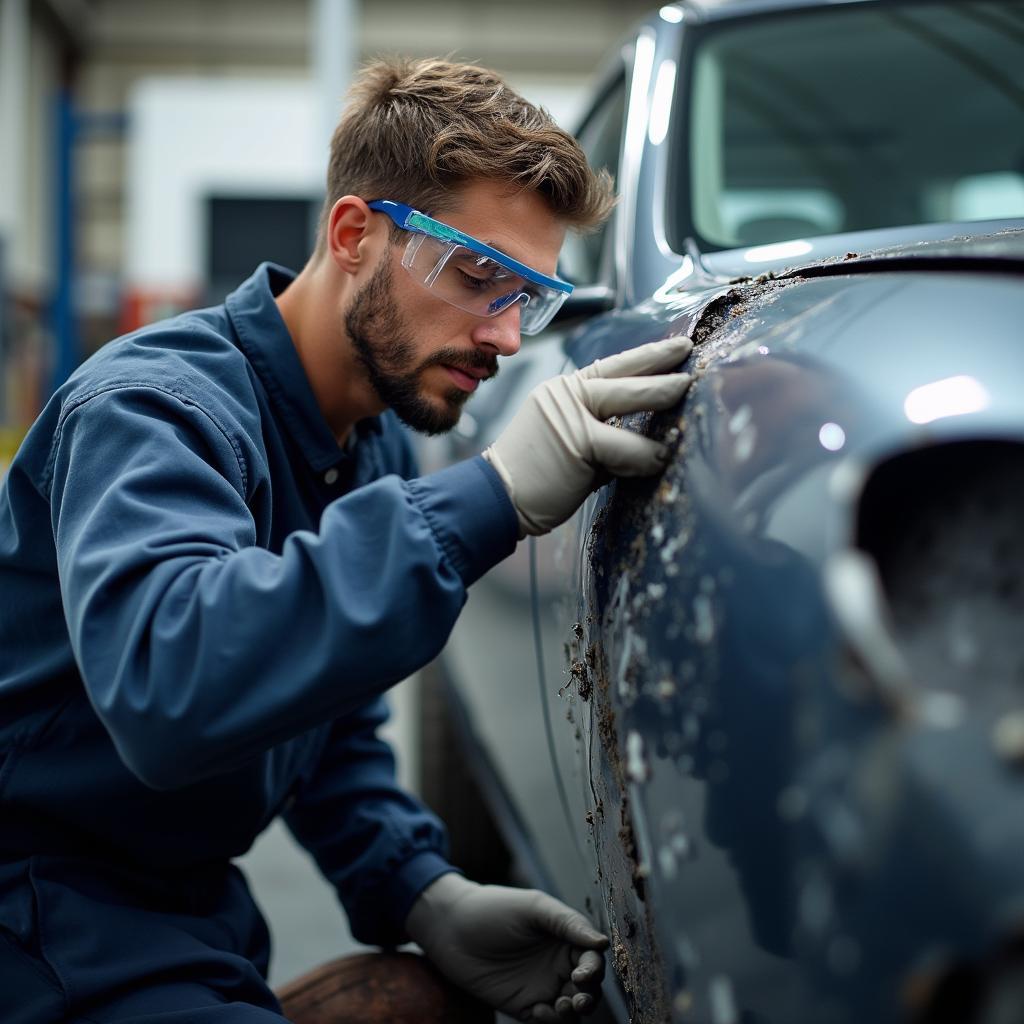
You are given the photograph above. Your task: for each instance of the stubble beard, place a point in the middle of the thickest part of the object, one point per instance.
(384, 346)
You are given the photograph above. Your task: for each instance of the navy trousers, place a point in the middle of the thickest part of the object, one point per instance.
(90, 943)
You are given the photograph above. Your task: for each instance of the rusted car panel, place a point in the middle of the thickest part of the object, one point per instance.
(797, 797)
(769, 728)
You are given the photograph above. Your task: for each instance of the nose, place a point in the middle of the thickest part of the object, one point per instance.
(499, 333)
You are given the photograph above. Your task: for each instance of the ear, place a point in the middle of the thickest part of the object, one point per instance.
(353, 234)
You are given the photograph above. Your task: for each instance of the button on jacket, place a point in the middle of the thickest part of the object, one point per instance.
(202, 598)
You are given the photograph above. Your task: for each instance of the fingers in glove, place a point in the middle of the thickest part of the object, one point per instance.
(563, 922)
(543, 1013)
(564, 1009)
(589, 970)
(571, 1004)
(623, 453)
(617, 396)
(567, 1007)
(584, 1003)
(654, 357)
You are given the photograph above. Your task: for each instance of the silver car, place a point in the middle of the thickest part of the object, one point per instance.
(764, 716)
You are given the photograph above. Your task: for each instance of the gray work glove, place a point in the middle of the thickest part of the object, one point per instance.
(519, 950)
(557, 447)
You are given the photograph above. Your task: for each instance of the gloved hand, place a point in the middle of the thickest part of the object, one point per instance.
(552, 454)
(519, 950)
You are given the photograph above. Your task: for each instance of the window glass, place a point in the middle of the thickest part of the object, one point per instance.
(601, 138)
(857, 118)
(243, 230)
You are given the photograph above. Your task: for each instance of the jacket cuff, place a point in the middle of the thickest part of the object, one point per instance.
(412, 878)
(470, 514)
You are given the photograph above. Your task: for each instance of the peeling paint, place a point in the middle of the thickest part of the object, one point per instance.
(578, 673)
(635, 961)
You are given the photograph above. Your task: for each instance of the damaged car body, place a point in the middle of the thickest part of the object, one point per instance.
(763, 716)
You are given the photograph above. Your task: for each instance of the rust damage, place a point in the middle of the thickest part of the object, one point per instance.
(627, 840)
(722, 326)
(634, 958)
(578, 673)
(638, 541)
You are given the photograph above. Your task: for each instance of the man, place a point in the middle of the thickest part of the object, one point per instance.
(215, 557)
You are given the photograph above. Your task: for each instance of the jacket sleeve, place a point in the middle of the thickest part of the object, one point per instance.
(379, 846)
(199, 649)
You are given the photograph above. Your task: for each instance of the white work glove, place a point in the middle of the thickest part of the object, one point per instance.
(519, 950)
(557, 448)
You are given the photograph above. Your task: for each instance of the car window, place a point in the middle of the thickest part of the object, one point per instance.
(582, 261)
(855, 118)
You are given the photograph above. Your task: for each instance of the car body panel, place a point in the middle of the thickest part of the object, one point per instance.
(722, 730)
(703, 670)
(833, 350)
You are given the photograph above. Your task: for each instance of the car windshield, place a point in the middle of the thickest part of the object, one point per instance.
(854, 118)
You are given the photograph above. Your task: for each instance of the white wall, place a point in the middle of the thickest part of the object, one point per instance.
(13, 87)
(29, 76)
(193, 136)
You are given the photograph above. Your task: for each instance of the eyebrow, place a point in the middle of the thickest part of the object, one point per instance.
(512, 256)
(491, 244)
(494, 245)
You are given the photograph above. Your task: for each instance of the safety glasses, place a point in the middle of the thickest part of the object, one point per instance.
(472, 275)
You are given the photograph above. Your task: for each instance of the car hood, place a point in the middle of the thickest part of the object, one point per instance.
(978, 240)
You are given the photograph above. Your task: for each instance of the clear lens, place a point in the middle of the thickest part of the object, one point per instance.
(478, 284)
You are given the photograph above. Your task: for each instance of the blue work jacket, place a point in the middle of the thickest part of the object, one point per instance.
(202, 598)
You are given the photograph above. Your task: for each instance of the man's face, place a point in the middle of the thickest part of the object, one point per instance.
(425, 357)
(386, 346)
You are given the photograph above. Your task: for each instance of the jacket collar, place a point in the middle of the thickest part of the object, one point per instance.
(264, 338)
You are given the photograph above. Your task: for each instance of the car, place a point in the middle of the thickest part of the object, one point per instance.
(763, 716)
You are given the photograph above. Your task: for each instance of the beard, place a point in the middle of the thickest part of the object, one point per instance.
(383, 344)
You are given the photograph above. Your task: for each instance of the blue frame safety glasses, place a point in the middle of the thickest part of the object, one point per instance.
(472, 275)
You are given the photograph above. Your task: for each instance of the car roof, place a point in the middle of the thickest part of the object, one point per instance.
(708, 10)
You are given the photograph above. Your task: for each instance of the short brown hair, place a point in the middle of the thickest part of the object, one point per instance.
(414, 129)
